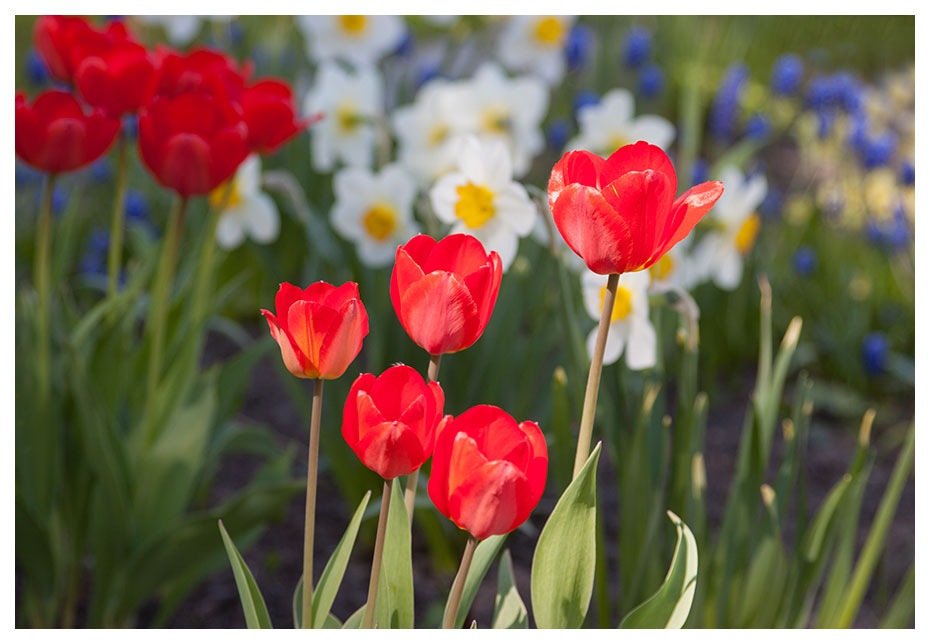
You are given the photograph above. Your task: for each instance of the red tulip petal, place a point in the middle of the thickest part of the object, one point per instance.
(439, 313)
(228, 149)
(539, 463)
(350, 416)
(435, 417)
(294, 359)
(337, 297)
(464, 460)
(369, 416)
(287, 294)
(185, 164)
(593, 229)
(396, 389)
(687, 212)
(343, 340)
(492, 500)
(438, 487)
(406, 271)
(643, 200)
(459, 254)
(307, 324)
(638, 157)
(391, 449)
(419, 248)
(484, 286)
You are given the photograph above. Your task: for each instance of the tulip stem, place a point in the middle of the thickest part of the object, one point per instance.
(158, 310)
(455, 597)
(410, 492)
(594, 376)
(379, 551)
(313, 454)
(204, 271)
(43, 242)
(116, 225)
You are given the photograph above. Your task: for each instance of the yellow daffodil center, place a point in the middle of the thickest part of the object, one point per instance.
(475, 205)
(623, 303)
(746, 235)
(496, 120)
(348, 118)
(549, 31)
(353, 25)
(438, 134)
(662, 268)
(380, 221)
(226, 195)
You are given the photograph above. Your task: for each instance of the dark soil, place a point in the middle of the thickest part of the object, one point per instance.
(275, 559)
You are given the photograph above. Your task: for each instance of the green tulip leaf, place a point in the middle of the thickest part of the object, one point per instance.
(253, 604)
(394, 608)
(563, 565)
(485, 554)
(509, 609)
(355, 619)
(670, 606)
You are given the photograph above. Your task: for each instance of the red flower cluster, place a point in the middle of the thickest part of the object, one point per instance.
(620, 214)
(199, 114)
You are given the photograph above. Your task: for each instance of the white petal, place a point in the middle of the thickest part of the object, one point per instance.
(616, 339)
(262, 220)
(229, 230)
(514, 207)
(618, 103)
(729, 269)
(498, 237)
(591, 285)
(641, 349)
(249, 176)
(376, 254)
(443, 196)
(653, 129)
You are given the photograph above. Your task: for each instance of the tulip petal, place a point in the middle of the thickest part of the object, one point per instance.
(391, 449)
(343, 339)
(688, 210)
(460, 254)
(638, 157)
(438, 486)
(294, 359)
(350, 413)
(492, 500)
(396, 389)
(439, 313)
(591, 228)
(465, 458)
(406, 271)
(484, 286)
(643, 200)
(307, 324)
(539, 462)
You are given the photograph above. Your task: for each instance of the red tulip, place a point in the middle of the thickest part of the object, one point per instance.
(120, 77)
(444, 292)
(55, 134)
(201, 70)
(390, 421)
(488, 472)
(620, 214)
(193, 142)
(54, 38)
(269, 111)
(319, 329)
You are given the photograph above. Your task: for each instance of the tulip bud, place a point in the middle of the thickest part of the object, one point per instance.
(320, 329)
(390, 421)
(444, 292)
(488, 472)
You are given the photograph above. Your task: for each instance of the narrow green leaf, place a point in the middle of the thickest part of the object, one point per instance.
(395, 587)
(763, 586)
(563, 565)
(509, 610)
(670, 606)
(253, 604)
(485, 554)
(355, 619)
(900, 613)
(813, 542)
(331, 579)
(874, 543)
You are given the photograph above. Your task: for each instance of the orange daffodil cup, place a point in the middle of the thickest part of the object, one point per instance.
(620, 215)
(319, 331)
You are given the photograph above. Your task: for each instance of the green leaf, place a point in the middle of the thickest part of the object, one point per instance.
(900, 613)
(670, 606)
(509, 610)
(485, 554)
(355, 619)
(563, 564)
(395, 587)
(332, 575)
(253, 604)
(763, 587)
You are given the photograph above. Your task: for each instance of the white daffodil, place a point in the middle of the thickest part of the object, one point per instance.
(426, 130)
(351, 104)
(631, 332)
(536, 44)
(675, 269)
(609, 125)
(510, 110)
(719, 253)
(481, 199)
(374, 210)
(359, 40)
(247, 211)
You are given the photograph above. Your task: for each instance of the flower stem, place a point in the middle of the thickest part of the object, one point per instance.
(455, 598)
(410, 492)
(43, 243)
(594, 376)
(379, 551)
(313, 454)
(205, 272)
(158, 310)
(116, 224)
